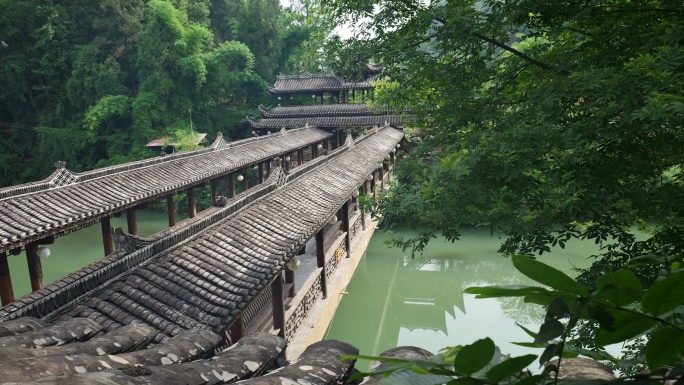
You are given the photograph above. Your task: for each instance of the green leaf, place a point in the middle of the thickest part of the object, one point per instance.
(474, 357)
(621, 287)
(509, 367)
(664, 295)
(549, 330)
(648, 260)
(504, 291)
(409, 377)
(548, 354)
(527, 331)
(548, 275)
(664, 347)
(558, 309)
(532, 380)
(626, 326)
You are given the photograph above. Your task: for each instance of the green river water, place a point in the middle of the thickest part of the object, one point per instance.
(392, 300)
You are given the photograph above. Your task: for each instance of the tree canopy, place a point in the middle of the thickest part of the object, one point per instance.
(91, 83)
(543, 120)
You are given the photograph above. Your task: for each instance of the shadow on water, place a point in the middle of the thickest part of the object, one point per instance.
(395, 300)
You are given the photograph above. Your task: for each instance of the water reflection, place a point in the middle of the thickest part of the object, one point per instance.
(396, 300)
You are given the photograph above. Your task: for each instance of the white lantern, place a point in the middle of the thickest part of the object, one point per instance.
(370, 177)
(43, 252)
(333, 220)
(287, 158)
(355, 194)
(240, 178)
(293, 264)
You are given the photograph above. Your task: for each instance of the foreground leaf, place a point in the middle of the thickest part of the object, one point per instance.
(548, 275)
(664, 347)
(664, 295)
(474, 357)
(509, 367)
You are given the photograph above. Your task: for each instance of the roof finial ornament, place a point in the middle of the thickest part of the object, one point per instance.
(283, 131)
(60, 165)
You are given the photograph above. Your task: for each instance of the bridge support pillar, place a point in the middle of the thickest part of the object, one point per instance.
(320, 259)
(278, 305)
(345, 227)
(132, 222)
(107, 236)
(192, 208)
(231, 185)
(171, 209)
(6, 291)
(34, 266)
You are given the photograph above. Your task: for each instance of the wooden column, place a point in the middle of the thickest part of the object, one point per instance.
(107, 236)
(345, 226)
(245, 180)
(261, 172)
(382, 177)
(192, 208)
(231, 185)
(171, 209)
(286, 163)
(314, 151)
(320, 258)
(268, 167)
(363, 213)
(278, 305)
(6, 291)
(34, 266)
(213, 191)
(132, 221)
(237, 330)
(300, 157)
(290, 279)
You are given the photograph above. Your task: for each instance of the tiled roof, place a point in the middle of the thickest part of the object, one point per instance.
(324, 110)
(315, 83)
(206, 282)
(66, 200)
(328, 121)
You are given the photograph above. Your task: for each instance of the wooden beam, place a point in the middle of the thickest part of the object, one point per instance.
(6, 291)
(278, 305)
(192, 207)
(320, 259)
(132, 222)
(171, 209)
(34, 266)
(345, 227)
(107, 241)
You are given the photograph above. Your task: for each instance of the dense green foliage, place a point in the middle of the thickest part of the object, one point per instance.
(544, 121)
(618, 303)
(91, 82)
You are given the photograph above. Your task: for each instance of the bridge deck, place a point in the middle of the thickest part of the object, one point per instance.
(66, 201)
(209, 280)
